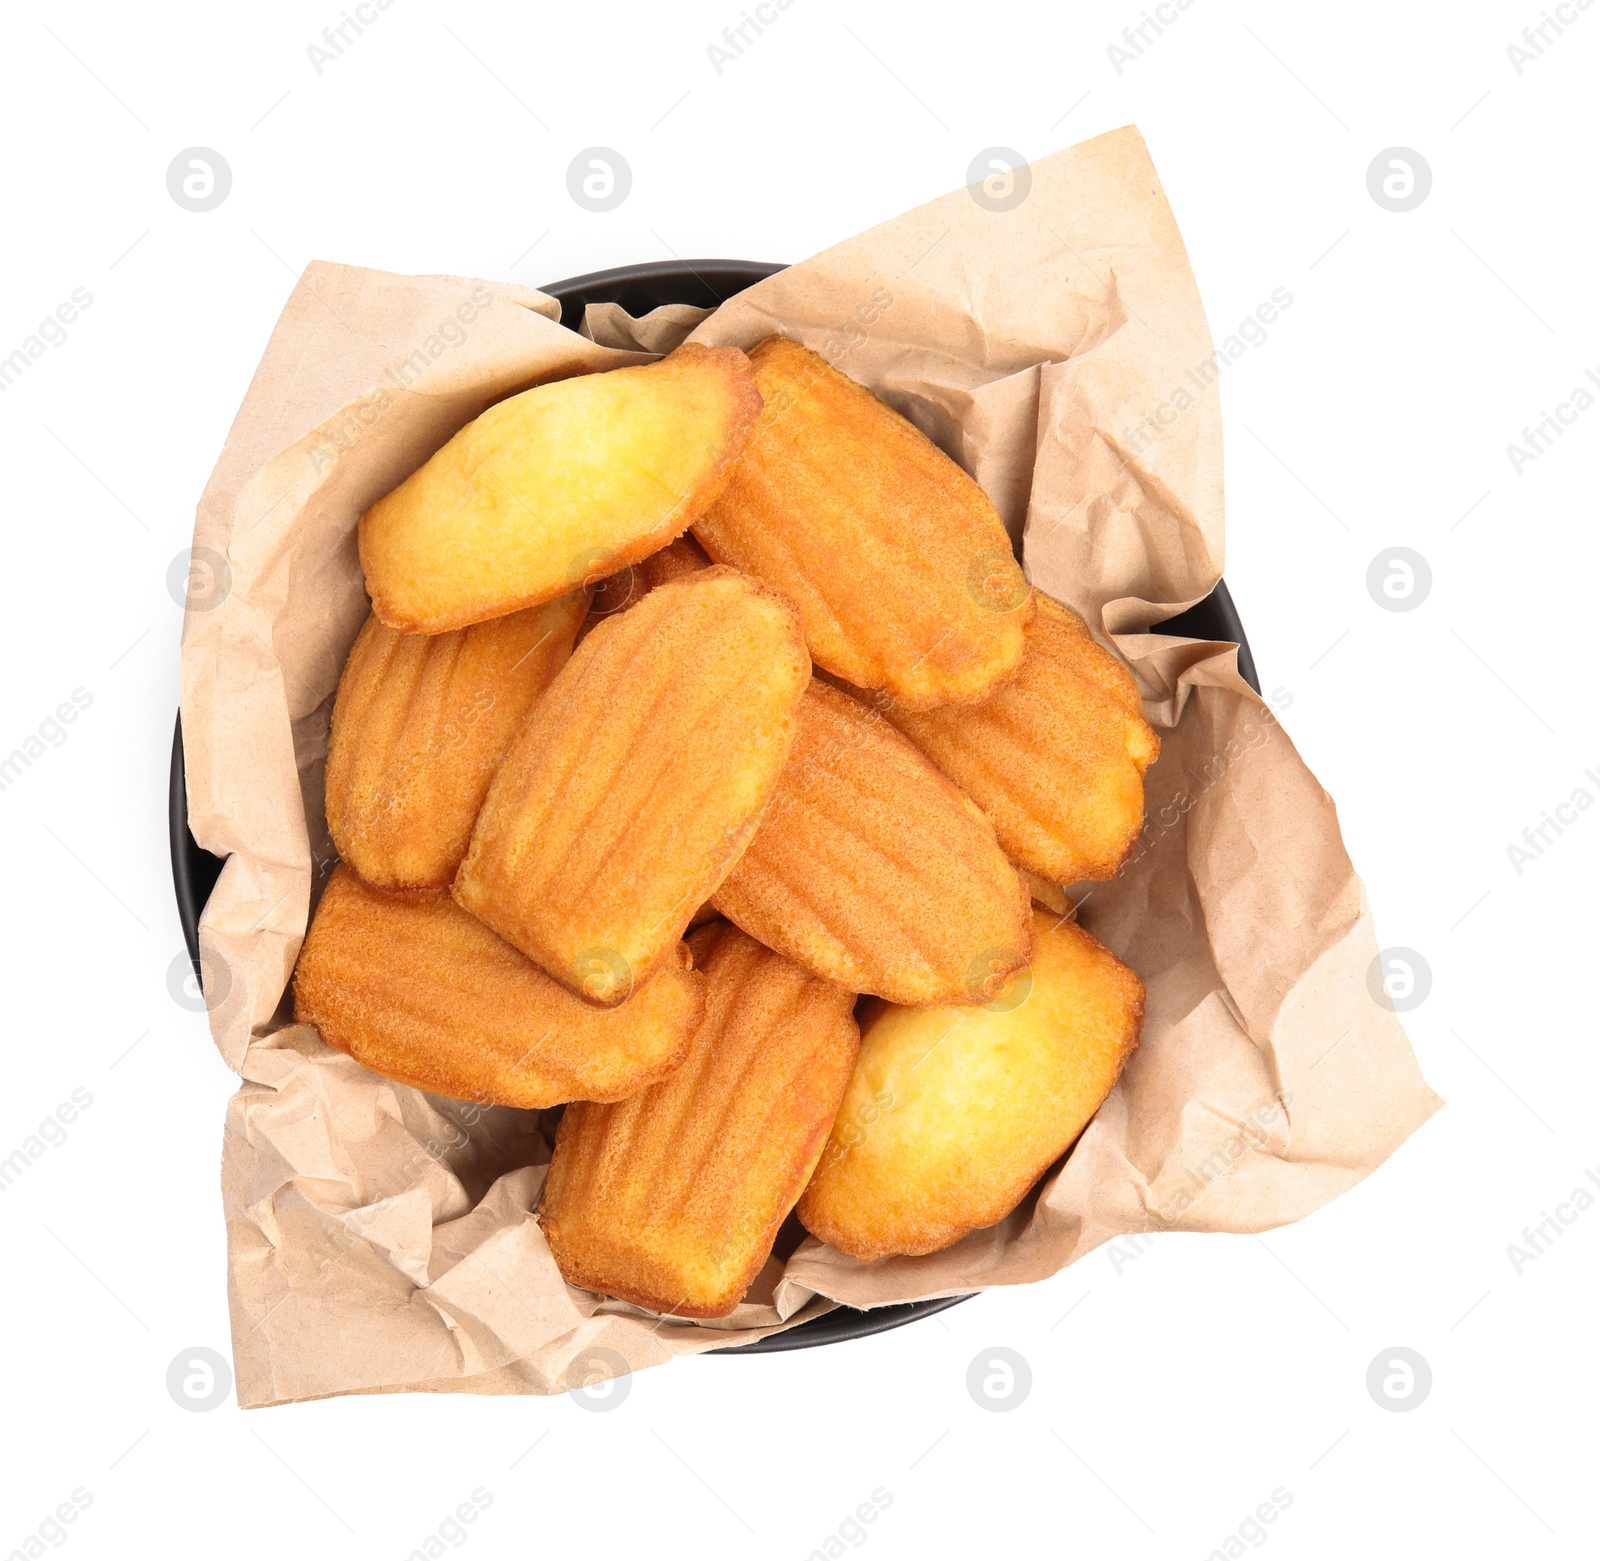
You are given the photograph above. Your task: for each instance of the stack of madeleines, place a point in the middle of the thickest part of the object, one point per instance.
(749, 845)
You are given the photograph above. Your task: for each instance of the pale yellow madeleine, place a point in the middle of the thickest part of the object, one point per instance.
(952, 1114)
(557, 487)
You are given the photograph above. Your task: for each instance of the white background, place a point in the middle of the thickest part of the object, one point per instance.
(1169, 1399)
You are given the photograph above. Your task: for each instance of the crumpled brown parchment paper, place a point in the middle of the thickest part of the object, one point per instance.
(381, 1239)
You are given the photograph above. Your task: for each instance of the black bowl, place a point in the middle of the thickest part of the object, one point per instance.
(639, 289)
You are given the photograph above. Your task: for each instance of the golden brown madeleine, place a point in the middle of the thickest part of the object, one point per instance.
(672, 1199)
(874, 871)
(557, 487)
(682, 557)
(420, 724)
(897, 560)
(952, 1114)
(1056, 757)
(416, 989)
(637, 781)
